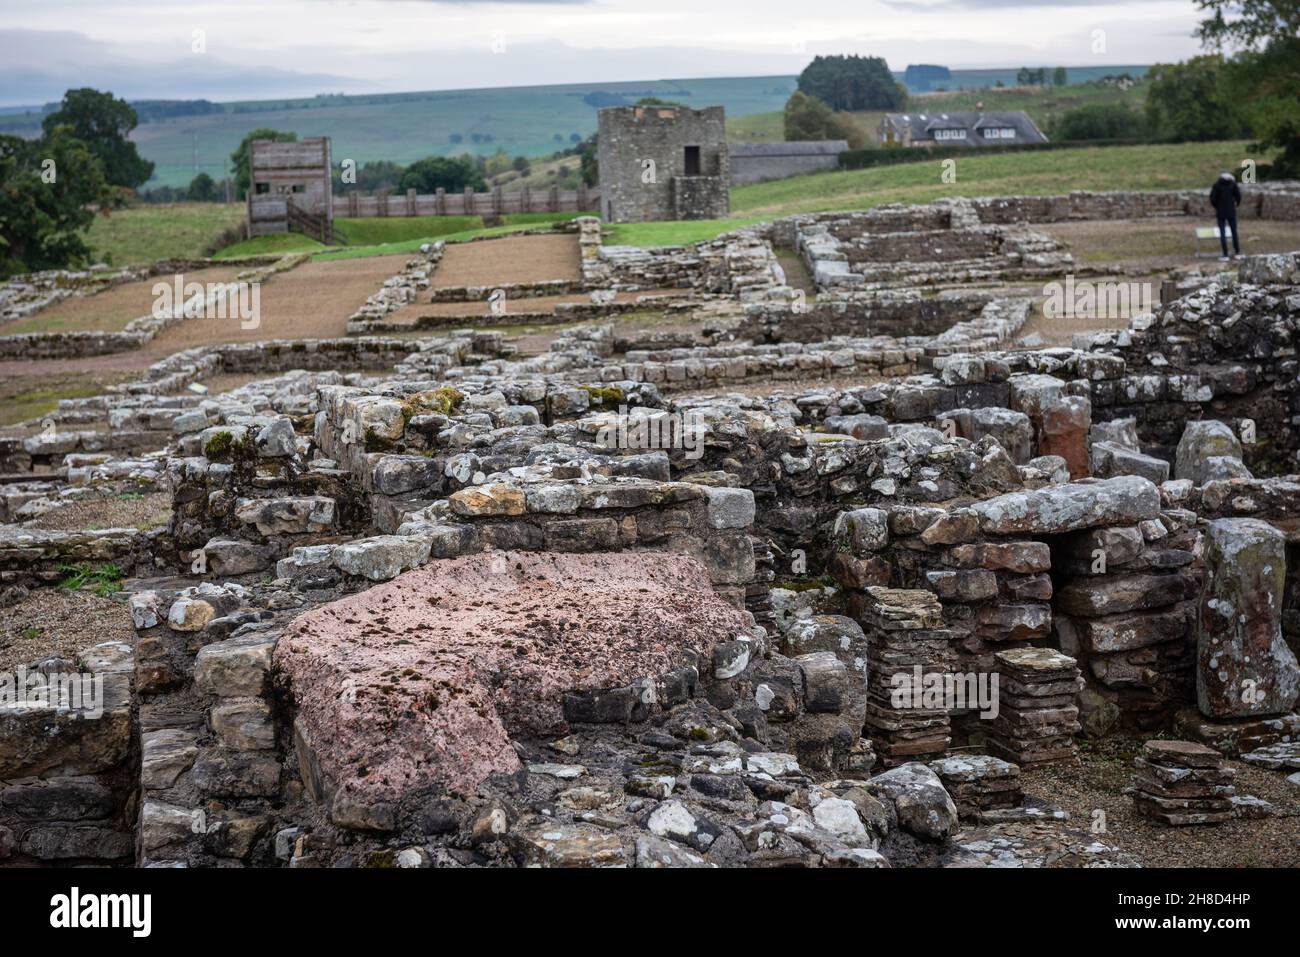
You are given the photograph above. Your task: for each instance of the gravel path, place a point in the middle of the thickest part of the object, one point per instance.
(511, 259)
(310, 301)
(1099, 785)
(51, 621)
(111, 309)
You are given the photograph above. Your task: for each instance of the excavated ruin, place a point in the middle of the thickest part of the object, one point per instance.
(648, 600)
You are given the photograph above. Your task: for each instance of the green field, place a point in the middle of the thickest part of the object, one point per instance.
(1162, 166)
(380, 236)
(757, 128)
(144, 234)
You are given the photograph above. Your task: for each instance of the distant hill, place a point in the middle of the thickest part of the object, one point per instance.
(402, 127)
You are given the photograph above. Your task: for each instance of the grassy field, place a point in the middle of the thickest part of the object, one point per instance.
(427, 229)
(20, 401)
(278, 244)
(1163, 166)
(148, 233)
(396, 229)
(380, 236)
(757, 128)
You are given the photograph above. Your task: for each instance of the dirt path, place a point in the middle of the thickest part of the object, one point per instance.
(110, 310)
(510, 259)
(313, 300)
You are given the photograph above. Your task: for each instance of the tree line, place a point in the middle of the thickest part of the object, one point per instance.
(52, 186)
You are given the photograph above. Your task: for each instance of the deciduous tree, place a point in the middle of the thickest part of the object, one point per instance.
(104, 123)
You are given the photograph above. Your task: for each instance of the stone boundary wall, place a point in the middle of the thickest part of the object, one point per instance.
(819, 321)
(213, 772)
(564, 312)
(399, 290)
(40, 556)
(272, 356)
(1279, 202)
(944, 243)
(739, 263)
(512, 290)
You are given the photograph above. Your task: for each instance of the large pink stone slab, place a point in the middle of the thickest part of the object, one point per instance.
(422, 680)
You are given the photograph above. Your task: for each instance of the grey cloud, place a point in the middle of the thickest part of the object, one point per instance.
(38, 66)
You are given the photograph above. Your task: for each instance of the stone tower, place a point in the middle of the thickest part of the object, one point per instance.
(663, 163)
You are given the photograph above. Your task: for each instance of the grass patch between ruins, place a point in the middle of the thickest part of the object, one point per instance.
(102, 580)
(277, 243)
(21, 404)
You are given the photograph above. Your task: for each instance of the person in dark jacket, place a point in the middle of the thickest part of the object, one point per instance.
(1225, 197)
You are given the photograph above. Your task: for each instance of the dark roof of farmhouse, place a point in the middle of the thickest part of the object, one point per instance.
(924, 124)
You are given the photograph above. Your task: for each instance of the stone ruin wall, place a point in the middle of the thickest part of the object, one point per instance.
(966, 499)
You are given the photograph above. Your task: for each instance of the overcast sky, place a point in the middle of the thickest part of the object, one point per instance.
(267, 48)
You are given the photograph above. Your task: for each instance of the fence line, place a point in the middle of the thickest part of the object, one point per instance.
(469, 203)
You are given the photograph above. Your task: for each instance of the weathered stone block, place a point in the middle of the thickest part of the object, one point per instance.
(234, 668)
(1244, 667)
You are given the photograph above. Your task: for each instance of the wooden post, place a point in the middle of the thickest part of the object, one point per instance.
(410, 202)
(582, 197)
(469, 201)
(354, 205)
(440, 201)
(1168, 291)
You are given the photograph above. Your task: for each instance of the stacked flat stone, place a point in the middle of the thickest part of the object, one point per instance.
(1038, 714)
(903, 633)
(978, 783)
(1182, 782)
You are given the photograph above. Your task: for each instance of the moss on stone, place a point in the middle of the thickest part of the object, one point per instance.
(444, 400)
(218, 447)
(605, 395)
(806, 584)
